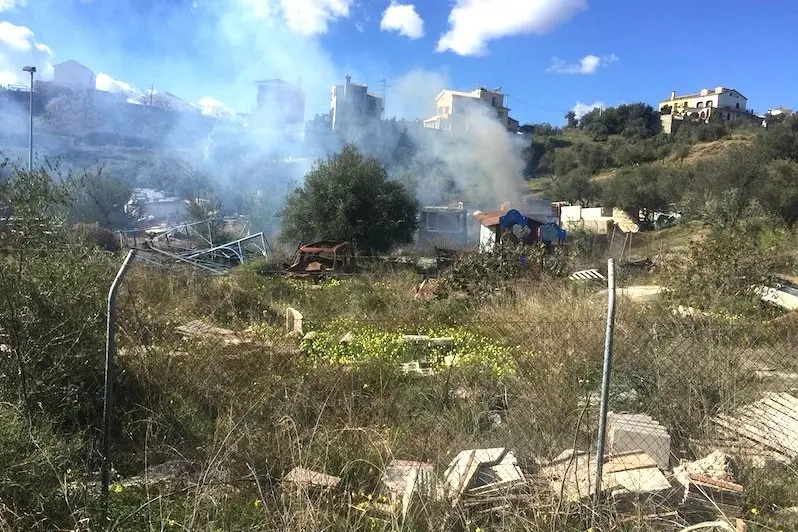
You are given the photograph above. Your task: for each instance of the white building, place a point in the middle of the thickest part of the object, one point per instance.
(351, 105)
(154, 206)
(780, 111)
(719, 103)
(457, 110)
(74, 75)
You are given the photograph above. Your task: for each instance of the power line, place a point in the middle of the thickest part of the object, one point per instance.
(533, 106)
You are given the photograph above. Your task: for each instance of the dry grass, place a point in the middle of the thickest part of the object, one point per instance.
(244, 415)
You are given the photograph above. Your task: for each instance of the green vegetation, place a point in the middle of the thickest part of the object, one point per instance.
(652, 172)
(349, 197)
(519, 367)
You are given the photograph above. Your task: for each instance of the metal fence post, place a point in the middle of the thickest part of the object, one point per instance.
(605, 380)
(110, 352)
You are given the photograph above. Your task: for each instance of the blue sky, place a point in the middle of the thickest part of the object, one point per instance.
(547, 55)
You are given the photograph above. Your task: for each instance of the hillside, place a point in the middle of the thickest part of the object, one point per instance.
(620, 158)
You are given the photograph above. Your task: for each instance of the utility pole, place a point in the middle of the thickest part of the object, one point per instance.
(152, 91)
(32, 70)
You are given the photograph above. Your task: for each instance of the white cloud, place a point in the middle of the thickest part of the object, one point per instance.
(8, 5)
(404, 19)
(473, 23)
(18, 48)
(581, 109)
(587, 65)
(305, 17)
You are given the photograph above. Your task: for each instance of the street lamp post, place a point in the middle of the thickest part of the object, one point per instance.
(32, 70)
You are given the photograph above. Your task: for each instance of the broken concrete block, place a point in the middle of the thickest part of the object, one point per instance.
(307, 478)
(293, 321)
(415, 368)
(574, 475)
(491, 478)
(639, 432)
(717, 465)
(462, 470)
(347, 338)
(484, 478)
(403, 479)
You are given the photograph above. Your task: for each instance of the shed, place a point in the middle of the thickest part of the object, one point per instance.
(526, 228)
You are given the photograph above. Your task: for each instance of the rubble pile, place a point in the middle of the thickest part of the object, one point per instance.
(637, 478)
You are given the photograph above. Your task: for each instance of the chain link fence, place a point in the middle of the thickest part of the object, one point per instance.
(352, 410)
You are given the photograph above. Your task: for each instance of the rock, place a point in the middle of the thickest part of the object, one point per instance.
(347, 338)
(310, 336)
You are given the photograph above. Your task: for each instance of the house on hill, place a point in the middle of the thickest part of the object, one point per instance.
(720, 103)
(455, 109)
(74, 75)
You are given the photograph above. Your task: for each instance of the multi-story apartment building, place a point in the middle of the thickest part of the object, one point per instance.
(351, 105)
(280, 105)
(458, 110)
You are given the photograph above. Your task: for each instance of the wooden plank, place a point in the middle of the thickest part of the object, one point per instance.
(784, 403)
(645, 480)
(709, 481)
(628, 462)
(308, 477)
(775, 425)
(749, 432)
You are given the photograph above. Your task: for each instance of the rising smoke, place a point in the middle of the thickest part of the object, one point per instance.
(218, 49)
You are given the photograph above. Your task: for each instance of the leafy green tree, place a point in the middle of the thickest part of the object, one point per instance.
(565, 162)
(574, 187)
(637, 120)
(349, 197)
(591, 157)
(739, 170)
(571, 119)
(646, 188)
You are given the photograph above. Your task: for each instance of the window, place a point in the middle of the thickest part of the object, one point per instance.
(700, 104)
(737, 105)
(728, 116)
(709, 103)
